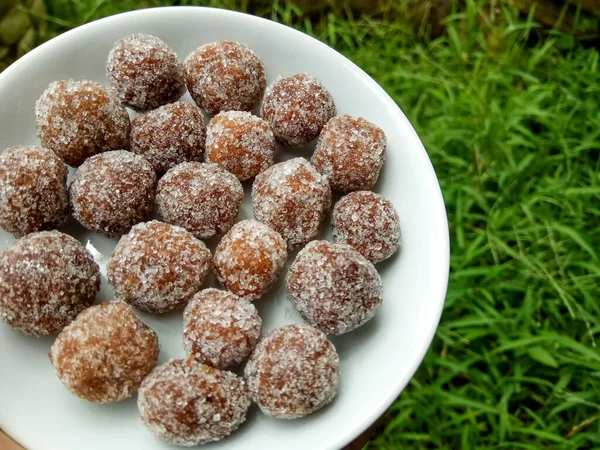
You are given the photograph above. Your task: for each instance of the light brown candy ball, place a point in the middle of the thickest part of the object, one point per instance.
(78, 119)
(104, 354)
(350, 152)
(46, 279)
(297, 107)
(293, 372)
(158, 267)
(293, 199)
(249, 258)
(144, 72)
(333, 287)
(113, 191)
(220, 329)
(224, 76)
(369, 223)
(33, 190)
(241, 143)
(204, 199)
(188, 403)
(169, 135)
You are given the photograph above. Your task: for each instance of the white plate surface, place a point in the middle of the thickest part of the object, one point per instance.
(377, 360)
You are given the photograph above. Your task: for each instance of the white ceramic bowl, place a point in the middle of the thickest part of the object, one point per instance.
(377, 360)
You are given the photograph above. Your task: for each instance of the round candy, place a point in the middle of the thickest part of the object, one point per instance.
(113, 191)
(77, 119)
(333, 287)
(369, 223)
(293, 199)
(46, 279)
(220, 329)
(249, 258)
(293, 372)
(241, 143)
(350, 152)
(225, 75)
(158, 267)
(297, 107)
(33, 190)
(204, 199)
(188, 403)
(169, 135)
(144, 72)
(105, 353)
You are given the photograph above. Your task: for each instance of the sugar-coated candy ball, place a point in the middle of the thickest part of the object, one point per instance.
(105, 353)
(293, 372)
(78, 119)
(33, 190)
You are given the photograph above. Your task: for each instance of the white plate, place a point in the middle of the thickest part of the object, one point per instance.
(377, 360)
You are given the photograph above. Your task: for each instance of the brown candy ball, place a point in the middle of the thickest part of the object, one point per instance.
(350, 153)
(333, 287)
(225, 75)
(144, 72)
(188, 403)
(204, 199)
(169, 135)
(293, 199)
(46, 279)
(105, 353)
(297, 107)
(293, 372)
(220, 329)
(77, 119)
(158, 267)
(241, 143)
(249, 258)
(369, 223)
(33, 190)
(113, 191)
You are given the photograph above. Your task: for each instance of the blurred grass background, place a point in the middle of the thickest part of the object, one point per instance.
(507, 103)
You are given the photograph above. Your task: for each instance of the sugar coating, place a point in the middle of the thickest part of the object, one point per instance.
(249, 258)
(350, 152)
(105, 353)
(188, 403)
(169, 135)
(220, 329)
(369, 223)
(158, 267)
(293, 199)
(297, 107)
(78, 119)
(225, 75)
(241, 143)
(333, 287)
(113, 191)
(204, 199)
(293, 372)
(144, 72)
(33, 190)
(46, 279)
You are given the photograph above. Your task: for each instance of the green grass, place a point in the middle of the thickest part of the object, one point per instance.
(510, 117)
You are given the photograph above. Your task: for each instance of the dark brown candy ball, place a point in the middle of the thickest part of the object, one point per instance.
(224, 76)
(46, 279)
(113, 191)
(297, 107)
(105, 353)
(293, 372)
(145, 72)
(33, 190)
(78, 119)
(350, 153)
(188, 403)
